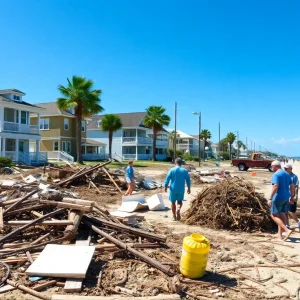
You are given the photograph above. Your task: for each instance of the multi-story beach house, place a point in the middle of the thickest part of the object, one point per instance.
(133, 141)
(58, 135)
(16, 131)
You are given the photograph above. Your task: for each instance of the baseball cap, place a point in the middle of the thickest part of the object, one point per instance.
(276, 163)
(288, 166)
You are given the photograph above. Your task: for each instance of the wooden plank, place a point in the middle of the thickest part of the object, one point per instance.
(42, 286)
(1, 217)
(112, 180)
(52, 223)
(67, 205)
(75, 285)
(63, 261)
(29, 257)
(78, 201)
(115, 297)
(6, 288)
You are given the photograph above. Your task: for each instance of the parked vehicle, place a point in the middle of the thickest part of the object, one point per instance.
(257, 160)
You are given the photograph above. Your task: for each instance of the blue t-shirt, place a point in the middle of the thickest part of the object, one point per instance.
(129, 172)
(284, 180)
(178, 177)
(295, 179)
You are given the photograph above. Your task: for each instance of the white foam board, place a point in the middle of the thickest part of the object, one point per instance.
(62, 261)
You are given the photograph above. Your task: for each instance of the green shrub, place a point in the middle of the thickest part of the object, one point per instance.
(170, 153)
(187, 156)
(225, 155)
(5, 162)
(195, 158)
(179, 153)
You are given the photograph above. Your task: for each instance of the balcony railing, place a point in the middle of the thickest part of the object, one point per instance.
(27, 157)
(22, 128)
(94, 156)
(143, 140)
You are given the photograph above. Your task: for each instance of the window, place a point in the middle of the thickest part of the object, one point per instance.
(21, 146)
(66, 124)
(83, 126)
(24, 117)
(55, 146)
(44, 124)
(66, 146)
(99, 123)
(17, 98)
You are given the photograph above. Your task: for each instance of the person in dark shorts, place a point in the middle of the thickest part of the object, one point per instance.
(292, 206)
(282, 190)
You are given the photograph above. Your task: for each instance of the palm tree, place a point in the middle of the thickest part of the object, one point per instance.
(230, 137)
(111, 123)
(79, 94)
(156, 118)
(223, 144)
(205, 135)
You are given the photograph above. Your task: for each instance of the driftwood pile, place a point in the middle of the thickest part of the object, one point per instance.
(52, 215)
(231, 204)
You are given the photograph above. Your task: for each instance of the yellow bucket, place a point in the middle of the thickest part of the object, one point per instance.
(194, 255)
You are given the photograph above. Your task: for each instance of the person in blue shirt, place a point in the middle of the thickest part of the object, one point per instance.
(130, 178)
(292, 206)
(282, 189)
(178, 177)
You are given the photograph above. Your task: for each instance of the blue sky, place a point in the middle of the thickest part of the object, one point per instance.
(238, 62)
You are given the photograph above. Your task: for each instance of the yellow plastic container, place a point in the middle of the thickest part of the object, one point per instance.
(194, 255)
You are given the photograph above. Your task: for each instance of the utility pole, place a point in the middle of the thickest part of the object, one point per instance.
(247, 145)
(199, 144)
(238, 149)
(251, 147)
(219, 138)
(254, 146)
(175, 133)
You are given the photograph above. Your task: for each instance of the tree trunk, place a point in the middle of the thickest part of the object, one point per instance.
(78, 115)
(110, 136)
(230, 151)
(154, 145)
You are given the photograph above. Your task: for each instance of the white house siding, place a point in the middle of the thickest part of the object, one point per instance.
(102, 137)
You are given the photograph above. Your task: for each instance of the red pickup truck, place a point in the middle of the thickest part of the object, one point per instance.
(256, 161)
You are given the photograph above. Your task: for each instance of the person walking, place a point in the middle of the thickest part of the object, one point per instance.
(130, 178)
(292, 206)
(282, 189)
(178, 177)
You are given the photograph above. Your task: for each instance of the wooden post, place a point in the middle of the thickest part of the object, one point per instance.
(1, 218)
(112, 180)
(71, 230)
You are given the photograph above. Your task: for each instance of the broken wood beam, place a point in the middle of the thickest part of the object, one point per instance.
(110, 247)
(71, 230)
(50, 223)
(41, 238)
(31, 247)
(42, 286)
(124, 228)
(20, 201)
(112, 180)
(20, 229)
(67, 205)
(28, 290)
(1, 218)
(91, 170)
(78, 201)
(25, 209)
(142, 256)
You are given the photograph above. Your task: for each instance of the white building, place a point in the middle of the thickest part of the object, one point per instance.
(16, 132)
(133, 141)
(187, 143)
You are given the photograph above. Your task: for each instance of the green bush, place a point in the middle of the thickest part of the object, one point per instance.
(170, 153)
(225, 155)
(195, 158)
(179, 153)
(5, 162)
(187, 156)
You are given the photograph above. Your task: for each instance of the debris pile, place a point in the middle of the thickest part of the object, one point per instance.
(231, 204)
(38, 228)
(209, 175)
